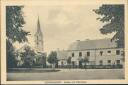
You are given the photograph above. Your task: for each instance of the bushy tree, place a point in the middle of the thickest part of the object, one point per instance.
(52, 58)
(14, 24)
(69, 60)
(81, 60)
(11, 62)
(113, 16)
(85, 60)
(28, 57)
(41, 60)
(14, 31)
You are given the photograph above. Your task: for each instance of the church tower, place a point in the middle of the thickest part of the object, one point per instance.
(39, 38)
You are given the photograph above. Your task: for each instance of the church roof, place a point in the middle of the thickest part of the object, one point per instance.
(92, 44)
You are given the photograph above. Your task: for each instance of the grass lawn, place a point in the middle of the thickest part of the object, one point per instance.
(67, 74)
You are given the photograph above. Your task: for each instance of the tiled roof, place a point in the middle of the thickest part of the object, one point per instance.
(92, 44)
(87, 44)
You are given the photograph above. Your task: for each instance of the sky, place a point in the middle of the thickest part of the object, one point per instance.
(61, 25)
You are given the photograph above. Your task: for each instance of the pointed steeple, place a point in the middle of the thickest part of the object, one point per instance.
(38, 27)
(39, 38)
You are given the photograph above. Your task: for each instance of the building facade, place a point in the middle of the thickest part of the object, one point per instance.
(95, 52)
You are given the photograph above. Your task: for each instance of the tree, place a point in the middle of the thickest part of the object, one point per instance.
(11, 62)
(14, 24)
(28, 57)
(14, 31)
(85, 61)
(69, 61)
(52, 58)
(113, 16)
(81, 60)
(41, 59)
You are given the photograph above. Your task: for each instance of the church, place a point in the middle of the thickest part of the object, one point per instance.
(39, 44)
(40, 57)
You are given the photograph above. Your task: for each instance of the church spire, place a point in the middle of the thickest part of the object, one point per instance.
(39, 38)
(38, 27)
(38, 23)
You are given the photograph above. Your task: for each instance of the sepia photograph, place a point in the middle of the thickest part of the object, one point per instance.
(61, 40)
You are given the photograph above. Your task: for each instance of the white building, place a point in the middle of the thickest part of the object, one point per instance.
(97, 52)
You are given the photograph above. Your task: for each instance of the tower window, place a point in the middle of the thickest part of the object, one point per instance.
(80, 53)
(117, 52)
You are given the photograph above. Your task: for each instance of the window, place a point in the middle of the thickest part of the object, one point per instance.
(109, 51)
(122, 53)
(117, 52)
(101, 53)
(109, 61)
(80, 53)
(72, 54)
(88, 53)
(117, 62)
(101, 62)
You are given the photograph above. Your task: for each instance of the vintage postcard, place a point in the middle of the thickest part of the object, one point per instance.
(64, 41)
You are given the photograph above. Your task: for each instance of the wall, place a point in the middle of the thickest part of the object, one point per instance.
(109, 56)
(95, 56)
